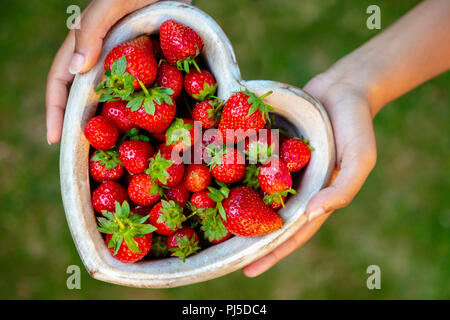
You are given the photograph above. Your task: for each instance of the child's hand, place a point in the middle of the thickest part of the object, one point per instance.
(351, 118)
(413, 50)
(79, 53)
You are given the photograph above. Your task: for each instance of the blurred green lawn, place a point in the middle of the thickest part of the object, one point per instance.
(399, 221)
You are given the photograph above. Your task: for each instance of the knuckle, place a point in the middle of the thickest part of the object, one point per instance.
(343, 200)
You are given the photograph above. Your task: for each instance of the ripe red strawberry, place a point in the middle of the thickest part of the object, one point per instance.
(247, 215)
(125, 254)
(183, 243)
(167, 217)
(170, 77)
(101, 133)
(215, 237)
(207, 112)
(180, 44)
(135, 155)
(143, 191)
(164, 171)
(200, 84)
(140, 60)
(274, 176)
(244, 110)
(273, 202)
(262, 146)
(206, 205)
(106, 195)
(105, 166)
(118, 112)
(181, 134)
(202, 200)
(152, 109)
(275, 179)
(159, 246)
(128, 237)
(197, 177)
(295, 153)
(228, 165)
(178, 193)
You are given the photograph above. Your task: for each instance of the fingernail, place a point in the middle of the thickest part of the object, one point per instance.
(48, 141)
(315, 213)
(76, 64)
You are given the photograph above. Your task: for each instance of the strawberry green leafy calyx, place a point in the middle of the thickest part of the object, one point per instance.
(261, 153)
(159, 246)
(178, 131)
(202, 213)
(207, 91)
(183, 243)
(118, 84)
(186, 247)
(212, 227)
(184, 65)
(217, 154)
(218, 195)
(278, 198)
(134, 135)
(157, 168)
(172, 214)
(261, 147)
(256, 103)
(251, 177)
(109, 158)
(124, 227)
(148, 97)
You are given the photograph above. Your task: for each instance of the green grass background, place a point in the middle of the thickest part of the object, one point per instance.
(400, 220)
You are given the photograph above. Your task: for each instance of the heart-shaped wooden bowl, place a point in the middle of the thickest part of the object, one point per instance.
(304, 114)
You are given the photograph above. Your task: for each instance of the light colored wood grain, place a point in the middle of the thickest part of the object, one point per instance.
(306, 115)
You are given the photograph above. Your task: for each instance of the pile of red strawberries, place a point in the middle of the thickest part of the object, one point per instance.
(148, 203)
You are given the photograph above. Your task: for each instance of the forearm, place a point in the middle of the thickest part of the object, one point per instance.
(413, 50)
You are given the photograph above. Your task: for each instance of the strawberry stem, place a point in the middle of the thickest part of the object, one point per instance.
(121, 225)
(266, 94)
(147, 94)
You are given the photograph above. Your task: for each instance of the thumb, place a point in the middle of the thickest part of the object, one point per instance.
(95, 22)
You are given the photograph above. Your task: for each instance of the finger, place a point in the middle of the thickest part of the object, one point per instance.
(57, 89)
(95, 22)
(357, 159)
(296, 241)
